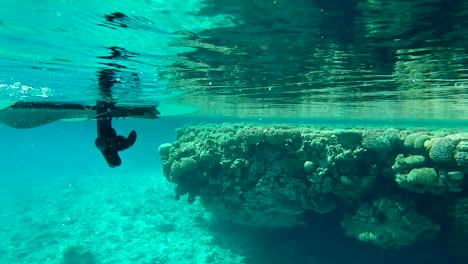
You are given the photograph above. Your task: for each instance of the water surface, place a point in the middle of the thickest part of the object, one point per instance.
(385, 59)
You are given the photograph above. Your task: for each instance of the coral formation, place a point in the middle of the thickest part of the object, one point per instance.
(441, 150)
(380, 140)
(461, 155)
(389, 223)
(403, 164)
(428, 180)
(439, 165)
(273, 175)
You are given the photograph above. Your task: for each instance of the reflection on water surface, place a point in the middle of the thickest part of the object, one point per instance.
(334, 58)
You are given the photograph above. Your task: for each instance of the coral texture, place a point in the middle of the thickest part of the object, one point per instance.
(273, 175)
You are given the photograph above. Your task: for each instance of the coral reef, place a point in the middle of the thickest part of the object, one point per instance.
(267, 175)
(378, 140)
(428, 180)
(461, 155)
(389, 223)
(439, 167)
(273, 175)
(441, 150)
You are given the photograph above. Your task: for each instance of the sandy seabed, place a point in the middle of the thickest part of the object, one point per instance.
(104, 219)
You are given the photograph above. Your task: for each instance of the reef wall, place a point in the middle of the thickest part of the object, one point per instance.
(392, 186)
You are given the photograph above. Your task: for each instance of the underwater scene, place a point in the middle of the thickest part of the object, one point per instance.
(234, 131)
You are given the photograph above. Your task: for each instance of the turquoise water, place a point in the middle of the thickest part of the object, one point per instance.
(57, 192)
(62, 204)
(328, 64)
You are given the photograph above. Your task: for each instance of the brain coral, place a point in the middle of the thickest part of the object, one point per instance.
(419, 141)
(380, 140)
(442, 150)
(461, 155)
